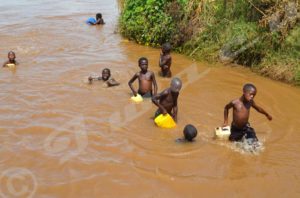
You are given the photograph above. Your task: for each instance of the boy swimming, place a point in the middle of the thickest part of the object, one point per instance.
(11, 59)
(98, 21)
(167, 100)
(146, 80)
(106, 77)
(241, 111)
(189, 132)
(165, 60)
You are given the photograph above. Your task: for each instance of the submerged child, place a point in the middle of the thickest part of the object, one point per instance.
(241, 111)
(11, 59)
(146, 80)
(98, 21)
(189, 132)
(165, 60)
(167, 100)
(106, 77)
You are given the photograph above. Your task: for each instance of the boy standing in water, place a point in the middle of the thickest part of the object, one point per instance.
(11, 59)
(167, 100)
(241, 110)
(106, 77)
(146, 79)
(165, 60)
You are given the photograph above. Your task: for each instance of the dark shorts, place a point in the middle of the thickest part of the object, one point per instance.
(146, 95)
(237, 134)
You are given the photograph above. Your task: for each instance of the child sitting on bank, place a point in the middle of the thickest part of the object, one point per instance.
(98, 21)
(166, 101)
(165, 60)
(106, 77)
(240, 126)
(146, 80)
(189, 133)
(11, 60)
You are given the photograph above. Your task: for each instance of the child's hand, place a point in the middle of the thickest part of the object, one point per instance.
(225, 124)
(269, 117)
(134, 93)
(164, 111)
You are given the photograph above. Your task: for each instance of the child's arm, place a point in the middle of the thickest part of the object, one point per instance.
(94, 78)
(154, 83)
(4, 64)
(130, 83)
(112, 82)
(156, 98)
(226, 111)
(100, 22)
(261, 110)
(164, 60)
(175, 109)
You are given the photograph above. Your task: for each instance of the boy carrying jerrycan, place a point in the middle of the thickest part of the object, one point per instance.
(166, 101)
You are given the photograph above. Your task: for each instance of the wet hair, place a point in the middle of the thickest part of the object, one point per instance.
(189, 132)
(166, 47)
(248, 86)
(11, 52)
(98, 16)
(141, 59)
(106, 69)
(176, 82)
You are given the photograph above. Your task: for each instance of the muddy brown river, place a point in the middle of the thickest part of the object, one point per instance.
(61, 137)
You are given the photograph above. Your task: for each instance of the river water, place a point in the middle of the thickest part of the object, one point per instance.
(60, 137)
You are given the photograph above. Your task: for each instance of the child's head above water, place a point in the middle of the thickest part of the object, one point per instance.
(11, 56)
(98, 16)
(189, 132)
(105, 74)
(166, 48)
(249, 91)
(176, 84)
(143, 64)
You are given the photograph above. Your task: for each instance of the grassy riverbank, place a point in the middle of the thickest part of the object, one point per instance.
(261, 34)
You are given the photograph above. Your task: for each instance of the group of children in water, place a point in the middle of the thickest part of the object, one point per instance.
(166, 101)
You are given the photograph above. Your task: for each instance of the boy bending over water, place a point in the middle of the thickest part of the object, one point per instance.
(167, 100)
(106, 77)
(146, 79)
(241, 110)
(11, 59)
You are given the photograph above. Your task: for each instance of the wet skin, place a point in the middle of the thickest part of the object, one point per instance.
(11, 59)
(167, 100)
(146, 80)
(106, 78)
(241, 109)
(165, 62)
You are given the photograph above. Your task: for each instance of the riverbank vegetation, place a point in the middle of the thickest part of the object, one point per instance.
(261, 34)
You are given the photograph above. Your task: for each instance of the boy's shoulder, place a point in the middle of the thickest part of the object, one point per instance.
(236, 101)
(166, 91)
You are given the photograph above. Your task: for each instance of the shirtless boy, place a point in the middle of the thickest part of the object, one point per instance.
(165, 60)
(241, 111)
(167, 100)
(11, 59)
(146, 80)
(106, 77)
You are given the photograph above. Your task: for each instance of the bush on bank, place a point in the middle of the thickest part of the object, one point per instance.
(261, 34)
